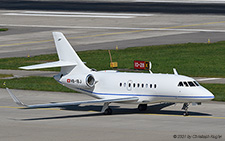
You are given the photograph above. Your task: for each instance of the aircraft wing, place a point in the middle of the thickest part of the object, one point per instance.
(64, 104)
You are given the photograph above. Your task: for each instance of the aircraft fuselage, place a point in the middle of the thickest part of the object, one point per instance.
(149, 88)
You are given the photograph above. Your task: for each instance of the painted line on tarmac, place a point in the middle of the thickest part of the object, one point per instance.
(209, 117)
(88, 13)
(77, 14)
(119, 28)
(11, 107)
(207, 79)
(115, 33)
(74, 16)
(25, 43)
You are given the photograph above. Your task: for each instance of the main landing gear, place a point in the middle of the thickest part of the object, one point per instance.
(105, 109)
(142, 107)
(185, 107)
(108, 111)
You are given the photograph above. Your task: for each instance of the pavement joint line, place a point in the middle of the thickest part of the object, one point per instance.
(209, 117)
(114, 33)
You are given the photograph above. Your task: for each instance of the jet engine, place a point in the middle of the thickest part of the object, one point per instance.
(81, 81)
(90, 81)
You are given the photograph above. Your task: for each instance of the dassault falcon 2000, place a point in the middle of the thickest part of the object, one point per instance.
(110, 86)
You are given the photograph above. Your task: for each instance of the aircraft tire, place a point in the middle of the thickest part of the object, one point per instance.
(108, 111)
(142, 107)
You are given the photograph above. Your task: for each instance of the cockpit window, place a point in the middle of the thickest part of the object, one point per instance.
(180, 84)
(186, 84)
(191, 84)
(196, 83)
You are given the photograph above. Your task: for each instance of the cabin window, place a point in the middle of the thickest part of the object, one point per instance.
(138, 85)
(142, 85)
(191, 84)
(154, 85)
(146, 85)
(120, 84)
(124, 84)
(150, 85)
(129, 85)
(134, 85)
(180, 84)
(186, 84)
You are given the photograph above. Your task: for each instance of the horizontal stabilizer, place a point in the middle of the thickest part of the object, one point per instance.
(64, 104)
(50, 65)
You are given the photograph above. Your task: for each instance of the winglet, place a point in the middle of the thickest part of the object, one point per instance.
(15, 99)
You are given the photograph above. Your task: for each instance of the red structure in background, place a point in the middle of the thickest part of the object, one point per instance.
(141, 65)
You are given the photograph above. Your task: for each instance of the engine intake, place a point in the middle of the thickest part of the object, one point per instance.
(90, 80)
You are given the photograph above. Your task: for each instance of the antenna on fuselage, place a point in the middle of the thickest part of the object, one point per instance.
(150, 66)
(175, 71)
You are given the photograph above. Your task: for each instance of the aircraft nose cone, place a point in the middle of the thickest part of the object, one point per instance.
(208, 94)
(211, 95)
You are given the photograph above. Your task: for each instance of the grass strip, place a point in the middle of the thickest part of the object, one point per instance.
(49, 84)
(3, 29)
(34, 83)
(5, 75)
(217, 89)
(191, 59)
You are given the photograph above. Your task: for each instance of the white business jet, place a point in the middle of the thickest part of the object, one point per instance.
(111, 86)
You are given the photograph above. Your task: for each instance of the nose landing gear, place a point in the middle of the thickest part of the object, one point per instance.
(185, 107)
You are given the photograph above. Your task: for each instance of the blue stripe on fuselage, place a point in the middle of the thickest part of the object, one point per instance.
(145, 95)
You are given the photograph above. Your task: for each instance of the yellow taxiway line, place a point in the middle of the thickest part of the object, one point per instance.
(114, 33)
(209, 117)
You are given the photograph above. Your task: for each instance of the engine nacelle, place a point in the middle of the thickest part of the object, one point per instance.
(81, 81)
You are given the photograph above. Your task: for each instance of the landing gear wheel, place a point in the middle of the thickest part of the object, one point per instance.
(108, 111)
(142, 107)
(186, 114)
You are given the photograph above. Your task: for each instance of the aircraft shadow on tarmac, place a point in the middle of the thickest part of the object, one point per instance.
(153, 109)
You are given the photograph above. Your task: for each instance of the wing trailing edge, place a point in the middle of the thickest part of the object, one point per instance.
(73, 103)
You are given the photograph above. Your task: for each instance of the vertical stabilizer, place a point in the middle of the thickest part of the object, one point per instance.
(69, 61)
(67, 54)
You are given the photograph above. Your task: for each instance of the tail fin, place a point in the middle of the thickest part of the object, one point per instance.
(68, 58)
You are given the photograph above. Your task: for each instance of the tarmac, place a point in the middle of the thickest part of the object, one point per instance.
(159, 122)
(30, 26)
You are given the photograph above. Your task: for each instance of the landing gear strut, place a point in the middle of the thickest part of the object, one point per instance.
(142, 107)
(185, 107)
(105, 109)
